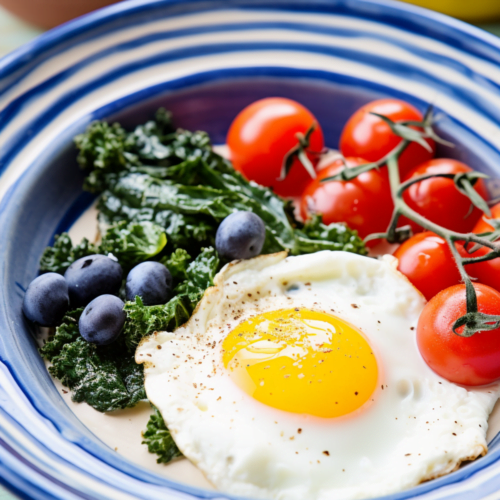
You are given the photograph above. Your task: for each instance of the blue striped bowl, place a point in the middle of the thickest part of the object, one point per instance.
(204, 60)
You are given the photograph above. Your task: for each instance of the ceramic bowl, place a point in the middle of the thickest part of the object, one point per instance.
(204, 60)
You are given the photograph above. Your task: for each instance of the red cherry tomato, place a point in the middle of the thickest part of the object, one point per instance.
(364, 203)
(426, 260)
(487, 272)
(438, 199)
(482, 226)
(469, 361)
(369, 137)
(262, 135)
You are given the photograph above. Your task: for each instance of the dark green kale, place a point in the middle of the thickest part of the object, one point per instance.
(62, 254)
(66, 333)
(144, 320)
(177, 264)
(159, 440)
(175, 180)
(107, 378)
(200, 273)
(130, 242)
(146, 140)
(133, 242)
(315, 234)
(103, 151)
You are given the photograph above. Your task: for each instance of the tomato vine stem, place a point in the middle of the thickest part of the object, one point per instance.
(300, 151)
(473, 321)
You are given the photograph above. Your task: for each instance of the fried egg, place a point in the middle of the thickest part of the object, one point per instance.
(299, 378)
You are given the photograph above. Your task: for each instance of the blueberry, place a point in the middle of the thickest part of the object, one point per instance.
(46, 300)
(241, 235)
(92, 276)
(102, 320)
(152, 281)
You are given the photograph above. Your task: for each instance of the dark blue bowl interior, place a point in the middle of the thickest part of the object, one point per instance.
(49, 196)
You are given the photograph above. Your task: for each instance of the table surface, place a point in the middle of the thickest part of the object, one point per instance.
(14, 33)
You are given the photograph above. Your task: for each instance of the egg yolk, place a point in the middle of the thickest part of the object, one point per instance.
(302, 361)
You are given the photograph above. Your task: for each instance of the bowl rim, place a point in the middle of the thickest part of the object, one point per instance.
(42, 48)
(36, 48)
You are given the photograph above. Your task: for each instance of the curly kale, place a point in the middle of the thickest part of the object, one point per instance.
(144, 320)
(107, 377)
(315, 236)
(177, 264)
(66, 333)
(200, 273)
(102, 150)
(130, 242)
(159, 440)
(62, 254)
(133, 242)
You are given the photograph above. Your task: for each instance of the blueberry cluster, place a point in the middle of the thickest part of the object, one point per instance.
(94, 282)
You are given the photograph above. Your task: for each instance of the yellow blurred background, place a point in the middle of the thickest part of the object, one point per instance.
(468, 10)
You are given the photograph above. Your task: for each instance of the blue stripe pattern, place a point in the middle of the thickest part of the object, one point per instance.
(224, 54)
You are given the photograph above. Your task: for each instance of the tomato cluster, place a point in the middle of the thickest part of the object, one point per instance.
(278, 143)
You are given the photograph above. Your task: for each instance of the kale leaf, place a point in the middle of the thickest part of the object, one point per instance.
(144, 320)
(62, 254)
(200, 273)
(133, 242)
(103, 150)
(177, 264)
(66, 333)
(159, 440)
(315, 236)
(107, 378)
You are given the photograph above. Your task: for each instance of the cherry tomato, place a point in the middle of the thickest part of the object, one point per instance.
(487, 272)
(364, 203)
(469, 361)
(263, 134)
(426, 260)
(482, 226)
(369, 137)
(438, 199)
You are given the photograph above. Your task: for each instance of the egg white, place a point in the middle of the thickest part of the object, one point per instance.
(415, 427)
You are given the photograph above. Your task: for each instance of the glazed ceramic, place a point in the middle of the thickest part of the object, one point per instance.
(204, 60)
